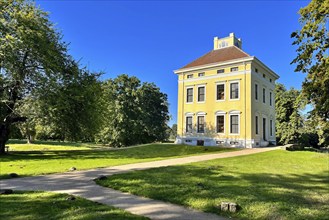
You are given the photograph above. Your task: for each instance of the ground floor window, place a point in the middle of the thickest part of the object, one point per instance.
(200, 124)
(220, 123)
(234, 124)
(256, 121)
(189, 124)
(271, 127)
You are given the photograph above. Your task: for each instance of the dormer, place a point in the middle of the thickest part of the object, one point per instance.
(231, 40)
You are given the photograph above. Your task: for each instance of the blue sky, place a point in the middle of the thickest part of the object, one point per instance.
(150, 39)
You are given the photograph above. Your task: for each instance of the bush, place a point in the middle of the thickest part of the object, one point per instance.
(309, 140)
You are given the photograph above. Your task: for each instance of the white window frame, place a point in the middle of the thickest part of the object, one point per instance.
(234, 113)
(188, 114)
(203, 114)
(220, 113)
(220, 100)
(198, 94)
(189, 87)
(231, 82)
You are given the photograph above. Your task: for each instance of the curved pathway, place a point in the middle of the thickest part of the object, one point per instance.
(80, 183)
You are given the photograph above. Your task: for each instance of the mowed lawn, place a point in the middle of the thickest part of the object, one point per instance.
(270, 185)
(38, 159)
(44, 205)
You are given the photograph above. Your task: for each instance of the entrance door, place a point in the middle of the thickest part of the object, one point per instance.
(264, 129)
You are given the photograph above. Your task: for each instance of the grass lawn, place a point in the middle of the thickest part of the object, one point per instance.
(270, 185)
(37, 159)
(44, 205)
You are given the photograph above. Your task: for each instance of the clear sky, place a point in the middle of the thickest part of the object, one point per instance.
(151, 39)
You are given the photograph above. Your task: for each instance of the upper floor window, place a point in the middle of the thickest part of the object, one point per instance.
(220, 92)
(220, 71)
(201, 74)
(190, 76)
(256, 70)
(234, 69)
(234, 124)
(189, 124)
(270, 98)
(189, 95)
(270, 80)
(256, 91)
(264, 76)
(201, 94)
(220, 123)
(224, 43)
(200, 124)
(264, 95)
(234, 90)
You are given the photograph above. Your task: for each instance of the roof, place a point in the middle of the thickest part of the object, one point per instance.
(219, 55)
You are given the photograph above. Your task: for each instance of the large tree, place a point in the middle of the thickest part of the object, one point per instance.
(313, 59)
(32, 57)
(288, 104)
(134, 113)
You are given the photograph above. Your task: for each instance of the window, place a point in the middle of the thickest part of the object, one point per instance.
(189, 124)
(256, 70)
(201, 74)
(190, 76)
(220, 71)
(256, 121)
(256, 91)
(270, 80)
(264, 95)
(224, 44)
(189, 95)
(234, 120)
(264, 76)
(271, 127)
(201, 94)
(200, 124)
(220, 92)
(234, 69)
(220, 124)
(270, 99)
(234, 90)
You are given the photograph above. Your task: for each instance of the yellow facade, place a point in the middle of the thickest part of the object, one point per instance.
(223, 108)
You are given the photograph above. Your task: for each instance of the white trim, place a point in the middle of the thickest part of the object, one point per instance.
(185, 130)
(204, 124)
(201, 113)
(244, 59)
(220, 83)
(197, 97)
(234, 114)
(186, 88)
(189, 114)
(231, 82)
(222, 75)
(220, 114)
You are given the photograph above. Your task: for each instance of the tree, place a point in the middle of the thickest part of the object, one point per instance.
(134, 113)
(289, 121)
(312, 59)
(32, 57)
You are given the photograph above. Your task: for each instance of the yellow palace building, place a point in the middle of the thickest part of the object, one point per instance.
(226, 98)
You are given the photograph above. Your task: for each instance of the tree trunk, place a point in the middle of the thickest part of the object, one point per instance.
(4, 136)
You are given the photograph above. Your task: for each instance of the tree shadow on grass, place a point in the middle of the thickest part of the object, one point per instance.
(261, 195)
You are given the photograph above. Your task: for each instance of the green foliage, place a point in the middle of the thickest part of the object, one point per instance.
(32, 56)
(289, 121)
(271, 185)
(46, 205)
(312, 59)
(134, 113)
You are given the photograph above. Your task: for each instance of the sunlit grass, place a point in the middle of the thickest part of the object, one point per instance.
(45, 159)
(272, 185)
(44, 205)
